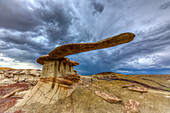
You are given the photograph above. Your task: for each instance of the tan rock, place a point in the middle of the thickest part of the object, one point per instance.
(57, 68)
(74, 48)
(57, 77)
(43, 58)
(138, 89)
(131, 106)
(108, 97)
(128, 85)
(11, 93)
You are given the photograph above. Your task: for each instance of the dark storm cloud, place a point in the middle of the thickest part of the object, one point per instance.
(22, 47)
(98, 7)
(14, 14)
(49, 20)
(57, 20)
(165, 5)
(111, 59)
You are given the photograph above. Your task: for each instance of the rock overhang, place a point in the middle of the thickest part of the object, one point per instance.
(60, 52)
(44, 58)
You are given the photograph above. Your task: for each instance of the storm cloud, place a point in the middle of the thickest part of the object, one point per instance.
(30, 28)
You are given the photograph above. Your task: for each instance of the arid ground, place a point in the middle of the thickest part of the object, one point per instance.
(153, 98)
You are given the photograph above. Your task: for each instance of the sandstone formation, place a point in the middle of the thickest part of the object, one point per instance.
(74, 48)
(56, 66)
(59, 79)
(69, 49)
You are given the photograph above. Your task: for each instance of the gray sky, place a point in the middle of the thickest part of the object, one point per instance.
(32, 28)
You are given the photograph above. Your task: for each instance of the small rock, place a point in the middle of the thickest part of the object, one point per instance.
(138, 89)
(86, 79)
(167, 96)
(108, 97)
(87, 85)
(131, 107)
(128, 85)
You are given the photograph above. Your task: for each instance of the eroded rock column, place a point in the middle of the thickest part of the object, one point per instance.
(57, 78)
(57, 68)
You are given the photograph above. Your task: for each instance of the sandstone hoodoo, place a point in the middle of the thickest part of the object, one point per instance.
(59, 78)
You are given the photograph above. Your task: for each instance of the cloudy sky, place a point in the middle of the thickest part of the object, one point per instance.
(32, 28)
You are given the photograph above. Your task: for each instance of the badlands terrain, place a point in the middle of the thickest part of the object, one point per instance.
(58, 88)
(14, 83)
(106, 92)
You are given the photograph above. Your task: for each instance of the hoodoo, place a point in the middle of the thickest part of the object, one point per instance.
(58, 77)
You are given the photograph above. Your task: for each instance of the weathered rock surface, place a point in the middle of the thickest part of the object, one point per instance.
(108, 97)
(128, 85)
(131, 106)
(138, 89)
(81, 98)
(57, 68)
(22, 74)
(74, 48)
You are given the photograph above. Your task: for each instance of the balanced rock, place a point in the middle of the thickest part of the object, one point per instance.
(69, 49)
(59, 79)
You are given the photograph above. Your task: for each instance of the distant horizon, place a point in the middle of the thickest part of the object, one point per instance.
(102, 72)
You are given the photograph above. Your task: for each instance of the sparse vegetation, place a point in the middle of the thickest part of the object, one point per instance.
(167, 89)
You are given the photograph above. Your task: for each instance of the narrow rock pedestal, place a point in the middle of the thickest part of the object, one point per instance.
(57, 68)
(54, 82)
